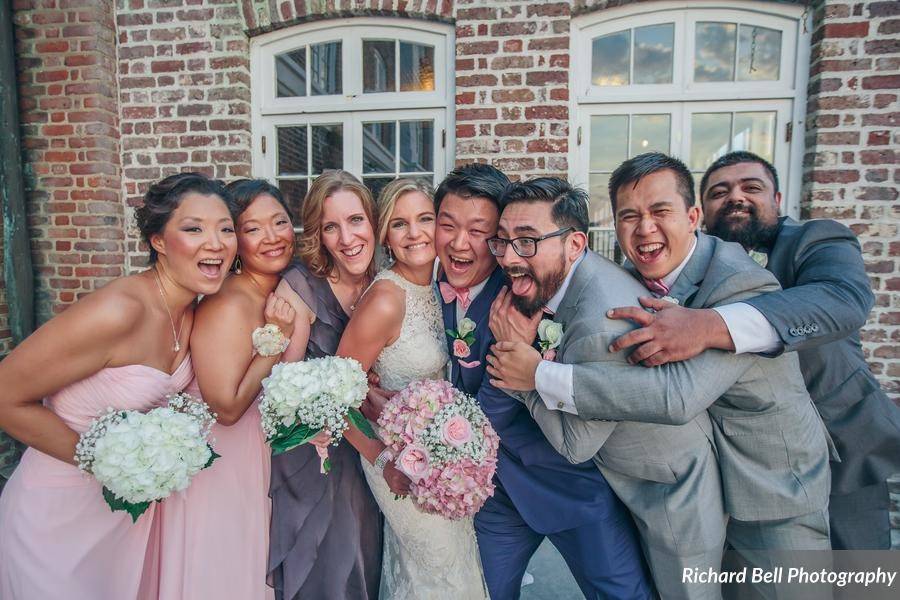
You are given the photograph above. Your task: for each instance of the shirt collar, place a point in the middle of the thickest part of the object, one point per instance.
(669, 280)
(554, 302)
(476, 289)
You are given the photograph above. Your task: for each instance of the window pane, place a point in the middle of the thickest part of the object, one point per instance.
(759, 54)
(325, 69)
(653, 49)
(290, 73)
(600, 209)
(327, 147)
(603, 242)
(376, 184)
(609, 141)
(292, 150)
(416, 67)
(609, 59)
(755, 132)
(293, 190)
(649, 133)
(714, 52)
(709, 138)
(379, 147)
(378, 66)
(416, 147)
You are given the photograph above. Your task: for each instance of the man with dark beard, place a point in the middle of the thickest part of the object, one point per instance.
(666, 475)
(825, 301)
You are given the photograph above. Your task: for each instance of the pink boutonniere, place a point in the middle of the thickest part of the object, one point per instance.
(463, 338)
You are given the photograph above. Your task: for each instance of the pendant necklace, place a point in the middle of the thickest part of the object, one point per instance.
(177, 345)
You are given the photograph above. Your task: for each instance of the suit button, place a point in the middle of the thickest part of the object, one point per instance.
(793, 331)
(560, 405)
(815, 327)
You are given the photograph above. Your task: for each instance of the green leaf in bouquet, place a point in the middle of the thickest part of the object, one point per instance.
(469, 339)
(361, 423)
(326, 465)
(213, 456)
(288, 438)
(135, 509)
(451, 333)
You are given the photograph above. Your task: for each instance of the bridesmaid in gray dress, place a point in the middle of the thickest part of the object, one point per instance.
(326, 531)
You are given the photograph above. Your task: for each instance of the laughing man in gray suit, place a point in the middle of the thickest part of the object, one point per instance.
(772, 446)
(665, 474)
(825, 301)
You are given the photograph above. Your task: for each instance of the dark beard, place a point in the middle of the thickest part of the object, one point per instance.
(546, 288)
(750, 233)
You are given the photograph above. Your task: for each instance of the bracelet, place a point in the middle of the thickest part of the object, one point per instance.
(386, 456)
(269, 341)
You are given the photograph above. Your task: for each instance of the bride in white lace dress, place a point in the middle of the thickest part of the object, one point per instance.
(397, 331)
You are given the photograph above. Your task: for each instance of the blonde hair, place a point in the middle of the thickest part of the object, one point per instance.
(312, 252)
(388, 197)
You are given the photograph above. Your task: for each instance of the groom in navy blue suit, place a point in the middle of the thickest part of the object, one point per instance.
(538, 492)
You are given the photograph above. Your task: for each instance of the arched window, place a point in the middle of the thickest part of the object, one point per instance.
(693, 82)
(371, 96)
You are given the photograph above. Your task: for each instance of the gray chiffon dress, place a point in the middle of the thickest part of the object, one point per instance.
(326, 532)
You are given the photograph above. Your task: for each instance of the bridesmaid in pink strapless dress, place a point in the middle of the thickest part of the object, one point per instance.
(123, 346)
(215, 534)
(51, 513)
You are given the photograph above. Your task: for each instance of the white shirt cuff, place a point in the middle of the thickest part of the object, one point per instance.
(750, 331)
(553, 381)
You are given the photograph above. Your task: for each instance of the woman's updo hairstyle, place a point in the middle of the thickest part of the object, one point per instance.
(245, 191)
(164, 197)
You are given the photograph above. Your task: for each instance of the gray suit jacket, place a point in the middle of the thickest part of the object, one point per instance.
(665, 474)
(772, 445)
(825, 301)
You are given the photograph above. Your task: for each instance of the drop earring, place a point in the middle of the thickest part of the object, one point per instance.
(236, 265)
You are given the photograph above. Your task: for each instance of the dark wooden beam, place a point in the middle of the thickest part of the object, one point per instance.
(17, 268)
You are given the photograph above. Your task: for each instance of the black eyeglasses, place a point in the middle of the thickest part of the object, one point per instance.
(523, 246)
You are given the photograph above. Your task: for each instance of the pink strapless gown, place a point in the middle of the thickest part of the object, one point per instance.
(215, 534)
(58, 538)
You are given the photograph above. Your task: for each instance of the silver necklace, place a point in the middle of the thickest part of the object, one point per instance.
(177, 345)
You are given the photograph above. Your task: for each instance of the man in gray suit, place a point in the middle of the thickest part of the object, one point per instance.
(825, 301)
(772, 446)
(665, 474)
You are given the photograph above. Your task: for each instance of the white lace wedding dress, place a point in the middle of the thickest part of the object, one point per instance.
(426, 557)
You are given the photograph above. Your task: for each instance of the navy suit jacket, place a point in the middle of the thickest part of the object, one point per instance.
(550, 493)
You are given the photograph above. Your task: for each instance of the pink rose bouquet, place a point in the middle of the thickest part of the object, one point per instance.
(444, 444)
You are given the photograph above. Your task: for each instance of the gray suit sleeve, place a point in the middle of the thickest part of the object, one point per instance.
(576, 439)
(830, 297)
(671, 394)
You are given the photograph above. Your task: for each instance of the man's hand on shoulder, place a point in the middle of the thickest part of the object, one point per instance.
(508, 324)
(670, 334)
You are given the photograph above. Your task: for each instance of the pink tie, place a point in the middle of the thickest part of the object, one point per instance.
(450, 293)
(656, 286)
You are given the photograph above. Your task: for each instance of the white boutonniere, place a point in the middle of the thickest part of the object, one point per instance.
(549, 335)
(463, 338)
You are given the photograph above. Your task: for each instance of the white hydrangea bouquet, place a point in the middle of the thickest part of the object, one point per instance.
(140, 458)
(300, 399)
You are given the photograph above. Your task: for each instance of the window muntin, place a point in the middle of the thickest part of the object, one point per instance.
(388, 117)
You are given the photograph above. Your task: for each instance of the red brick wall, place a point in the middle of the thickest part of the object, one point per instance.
(850, 172)
(512, 93)
(66, 68)
(184, 95)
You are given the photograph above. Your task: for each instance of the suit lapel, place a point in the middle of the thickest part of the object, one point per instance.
(579, 280)
(694, 271)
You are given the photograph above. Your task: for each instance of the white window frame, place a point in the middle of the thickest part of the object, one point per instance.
(793, 21)
(352, 106)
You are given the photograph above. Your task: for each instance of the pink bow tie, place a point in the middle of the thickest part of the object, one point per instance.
(656, 286)
(450, 293)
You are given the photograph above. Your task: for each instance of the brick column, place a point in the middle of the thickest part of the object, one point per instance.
(184, 79)
(850, 171)
(67, 98)
(512, 73)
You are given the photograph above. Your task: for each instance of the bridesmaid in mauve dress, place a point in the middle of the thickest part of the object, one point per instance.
(326, 534)
(215, 535)
(124, 346)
